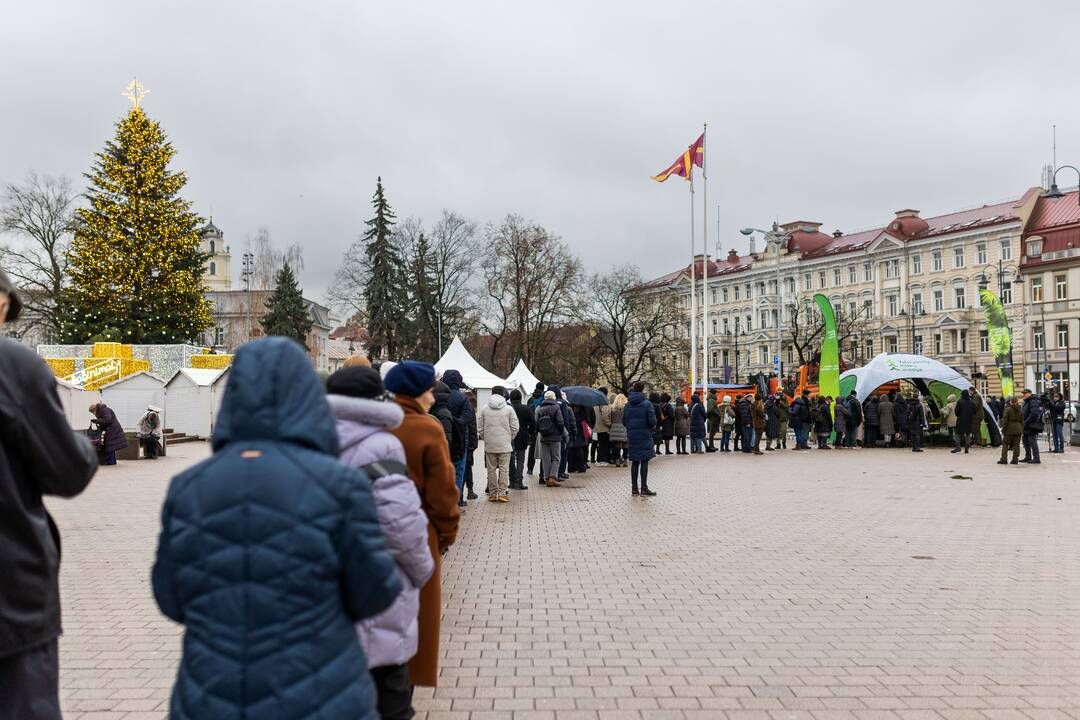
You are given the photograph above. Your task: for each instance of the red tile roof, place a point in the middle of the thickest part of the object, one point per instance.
(1053, 212)
(1057, 222)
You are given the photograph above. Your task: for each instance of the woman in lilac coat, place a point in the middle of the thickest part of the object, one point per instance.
(390, 638)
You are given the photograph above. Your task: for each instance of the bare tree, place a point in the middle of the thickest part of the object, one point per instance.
(40, 214)
(806, 328)
(635, 331)
(268, 260)
(532, 281)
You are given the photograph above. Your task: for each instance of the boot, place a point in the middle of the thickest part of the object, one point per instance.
(633, 489)
(552, 481)
(645, 491)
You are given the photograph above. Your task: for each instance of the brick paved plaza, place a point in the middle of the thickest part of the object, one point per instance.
(861, 584)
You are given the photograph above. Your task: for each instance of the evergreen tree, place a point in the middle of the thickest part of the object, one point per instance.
(134, 262)
(386, 295)
(424, 299)
(286, 314)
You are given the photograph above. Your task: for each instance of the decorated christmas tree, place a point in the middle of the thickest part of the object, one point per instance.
(385, 295)
(134, 263)
(286, 314)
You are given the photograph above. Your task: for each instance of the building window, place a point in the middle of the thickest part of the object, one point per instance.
(713, 293)
(219, 335)
(892, 344)
(736, 291)
(714, 326)
(1034, 248)
(868, 308)
(790, 283)
(1006, 293)
(980, 253)
(724, 325)
(836, 277)
(723, 294)
(738, 327)
(1062, 335)
(212, 246)
(916, 303)
(961, 341)
(1005, 249)
(763, 316)
(867, 272)
(937, 343)
(1061, 287)
(808, 282)
(749, 292)
(763, 353)
(916, 265)
(1036, 290)
(821, 279)
(790, 356)
(937, 261)
(851, 308)
(939, 300)
(892, 269)
(958, 257)
(213, 268)
(984, 341)
(893, 310)
(851, 275)
(1037, 338)
(775, 319)
(772, 287)
(869, 348)
(918, 345)
(959, 298)
(749, 323)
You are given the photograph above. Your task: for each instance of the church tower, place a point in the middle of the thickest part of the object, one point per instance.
(218, 274)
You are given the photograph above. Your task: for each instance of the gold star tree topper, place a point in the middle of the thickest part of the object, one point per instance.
(135, 92)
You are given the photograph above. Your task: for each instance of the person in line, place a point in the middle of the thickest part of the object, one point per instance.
(977, 416)
(887, 419)
(823, 421)
(658, 429)
(1033, 426)
(639, 416)
(602, 434)
(472, 443)
(526, 431)
(535, 399)
(148, 431)
(801, 419)
(871, 421)
(757, 414)
(840, 422)
(1012, 429)
(744, 426)
(784, 414)
(272, 537)
(916, 422)
(697, 425)
(440, 410)
(772, 423)
(617, 430)
(1057, 421)
(550, 431)
(902, 412)
(727, 424)
(428, 460)
(497, 425)
(666, 417)
(964, 413)
(113, 437)
(39, 455)
(578, 446)
(568, 428)
(854, 419)
(949, 411)
(682, 428)
(462, 410)
(712, 416)
(363, 419)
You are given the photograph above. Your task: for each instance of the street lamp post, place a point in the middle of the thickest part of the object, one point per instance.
(910, 312)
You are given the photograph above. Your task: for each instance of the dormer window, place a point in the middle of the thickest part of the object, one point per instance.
(1034, 248)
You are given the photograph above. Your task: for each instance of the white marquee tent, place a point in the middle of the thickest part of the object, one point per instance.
(889, 367)
(521, 377)
(194, 396)
(473, 373)
(130, 395)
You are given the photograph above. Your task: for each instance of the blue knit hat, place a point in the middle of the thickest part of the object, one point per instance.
(410, 378)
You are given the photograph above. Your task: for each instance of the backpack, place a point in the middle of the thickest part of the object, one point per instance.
(457, 439)
(545, 422)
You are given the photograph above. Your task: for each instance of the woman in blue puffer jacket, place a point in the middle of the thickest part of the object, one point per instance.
(269, 551)
(639, 417)
(390, 638)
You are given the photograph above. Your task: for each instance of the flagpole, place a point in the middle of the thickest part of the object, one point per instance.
(693, 287)
(705, 261)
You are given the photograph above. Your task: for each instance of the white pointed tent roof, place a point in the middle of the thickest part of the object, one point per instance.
(473, 373)
(522, 377)
(888, 367)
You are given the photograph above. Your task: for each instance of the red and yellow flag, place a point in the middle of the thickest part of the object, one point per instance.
(683, 167)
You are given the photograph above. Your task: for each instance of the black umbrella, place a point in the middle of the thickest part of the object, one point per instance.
(585, 396)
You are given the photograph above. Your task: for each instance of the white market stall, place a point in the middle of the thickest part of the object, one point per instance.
(130, 395)
(522, 378)
(473, 373)
(194, 396)
(76, 403)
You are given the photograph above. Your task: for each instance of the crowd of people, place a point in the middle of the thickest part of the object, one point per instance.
(304, 557)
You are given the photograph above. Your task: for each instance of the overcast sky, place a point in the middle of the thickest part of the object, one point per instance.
(283, 114)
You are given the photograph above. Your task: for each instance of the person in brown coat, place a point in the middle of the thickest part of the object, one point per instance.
(757, 415)
(427, 456)
(1012, 428)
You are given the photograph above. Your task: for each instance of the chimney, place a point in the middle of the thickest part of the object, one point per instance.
(753, 246)
(907, 213)
(837, 233)
(801, 226)
(732, 256)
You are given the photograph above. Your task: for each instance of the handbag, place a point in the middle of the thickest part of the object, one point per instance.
(586, 430)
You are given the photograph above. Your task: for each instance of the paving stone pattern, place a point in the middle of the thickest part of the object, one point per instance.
(828, 585)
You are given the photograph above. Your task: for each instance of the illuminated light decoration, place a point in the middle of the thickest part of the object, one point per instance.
(135, 92)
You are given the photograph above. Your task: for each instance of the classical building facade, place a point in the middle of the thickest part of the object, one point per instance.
(910, 285)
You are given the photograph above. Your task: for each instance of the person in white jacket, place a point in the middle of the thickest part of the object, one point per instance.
(497, 424)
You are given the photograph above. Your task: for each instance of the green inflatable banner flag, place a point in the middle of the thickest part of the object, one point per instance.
(829, 367)
(997, 325)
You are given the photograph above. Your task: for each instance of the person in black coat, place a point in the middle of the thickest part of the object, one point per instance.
(639, 418)
(667, 421)
(965, 421)
(113, 437)
(900, 410)
(526, 432)
(463, 413)
(1033, 425)
(744, 427)
(823, 422)
(697, 424)
(801, 420)
(39, 455)
(916, 422)
(871, 421)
